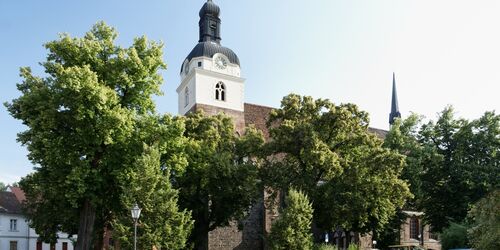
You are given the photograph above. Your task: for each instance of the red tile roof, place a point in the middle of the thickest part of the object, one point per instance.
(18, 192)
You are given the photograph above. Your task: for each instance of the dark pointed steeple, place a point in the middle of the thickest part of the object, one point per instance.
(394, 104)
(210, 22)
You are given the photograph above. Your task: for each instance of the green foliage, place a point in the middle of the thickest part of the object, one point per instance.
(485, 230)
(162, 224)
(454, 236)
(328, 152)
(219, 183)
(325, 247)
(450, 163)
(2, 186)
(88, 127)
(353, 247)
(391, 231)
(467, 169)
(292, 230)
(403, 138)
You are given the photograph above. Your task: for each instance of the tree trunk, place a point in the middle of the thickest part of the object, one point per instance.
(86, 227)
(199, 235)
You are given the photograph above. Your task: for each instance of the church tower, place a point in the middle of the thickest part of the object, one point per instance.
(210, 74)
(394, 103)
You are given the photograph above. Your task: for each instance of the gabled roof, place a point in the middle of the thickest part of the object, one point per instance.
(380, 133)
(18, 192)
(9, 203)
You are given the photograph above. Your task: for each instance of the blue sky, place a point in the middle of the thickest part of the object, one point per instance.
(443, 52)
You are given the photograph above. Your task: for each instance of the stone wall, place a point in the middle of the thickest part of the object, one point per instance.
(249, 238)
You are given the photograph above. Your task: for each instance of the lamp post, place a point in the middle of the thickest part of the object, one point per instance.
(136, 212)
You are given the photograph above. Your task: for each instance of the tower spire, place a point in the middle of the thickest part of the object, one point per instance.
(394, 104)
(210, 23)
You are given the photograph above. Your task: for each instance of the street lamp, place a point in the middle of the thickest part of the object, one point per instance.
(136, 212)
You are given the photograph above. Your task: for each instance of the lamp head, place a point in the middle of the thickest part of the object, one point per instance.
(136, 212)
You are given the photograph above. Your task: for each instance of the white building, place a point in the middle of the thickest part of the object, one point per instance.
(15, 233)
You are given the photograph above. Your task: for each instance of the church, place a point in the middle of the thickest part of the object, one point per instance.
(211, 80)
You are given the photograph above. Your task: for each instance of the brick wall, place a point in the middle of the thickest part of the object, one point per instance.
(237, 116)
(231, 237)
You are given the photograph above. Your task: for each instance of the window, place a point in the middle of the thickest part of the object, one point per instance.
(432, 235)
(13, 225)
(199, 64)
(220, 92)
(65, 246)
(186, 96)
(13, 245)
(186, 67)
(414, 228)
(39, 245)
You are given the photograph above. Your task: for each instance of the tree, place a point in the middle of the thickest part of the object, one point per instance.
(485, 217)
(82, 120)
(455, 236)
(292, 230)
(219, 183)
(403, 137)
(328, 152)
(2, 186)
(148, 183)
(468, 168)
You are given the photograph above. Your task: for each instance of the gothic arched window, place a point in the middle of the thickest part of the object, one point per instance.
(186, 96)
(220, 91)
(414, 228)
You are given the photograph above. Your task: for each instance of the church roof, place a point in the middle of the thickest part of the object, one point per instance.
(394, 102)
(209, 49)
(380, 133)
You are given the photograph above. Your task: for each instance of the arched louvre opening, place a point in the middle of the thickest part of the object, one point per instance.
(220, 91)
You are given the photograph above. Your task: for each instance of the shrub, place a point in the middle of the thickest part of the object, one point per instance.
(485, 231)
(292, 230)
(353, 247)
(325, 247)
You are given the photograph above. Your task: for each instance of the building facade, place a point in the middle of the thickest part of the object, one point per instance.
(414, 232)
(15, 233)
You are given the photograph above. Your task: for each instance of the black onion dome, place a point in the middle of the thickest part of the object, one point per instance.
(209, 43)
(210, 8)
(209, 49)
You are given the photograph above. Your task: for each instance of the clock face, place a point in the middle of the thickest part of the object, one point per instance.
(220, 62)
